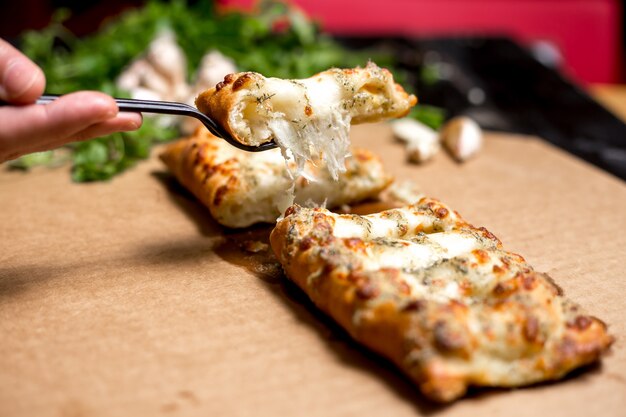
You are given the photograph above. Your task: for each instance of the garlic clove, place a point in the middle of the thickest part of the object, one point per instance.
(410, 130)
(422, 142)
(463, 137)
(422, 150)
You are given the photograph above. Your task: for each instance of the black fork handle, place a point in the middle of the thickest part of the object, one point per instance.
(179, 109)
(139, 106)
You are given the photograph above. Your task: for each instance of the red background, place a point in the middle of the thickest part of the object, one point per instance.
(588, 33)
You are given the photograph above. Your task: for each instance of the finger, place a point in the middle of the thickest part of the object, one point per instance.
(25, 128)
(123, 122)
(21, 81)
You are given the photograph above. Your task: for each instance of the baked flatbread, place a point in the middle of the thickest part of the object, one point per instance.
(309, 118)
(440, 298)
(243, 188)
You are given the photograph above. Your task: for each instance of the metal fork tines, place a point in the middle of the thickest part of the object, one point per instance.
(180, 109)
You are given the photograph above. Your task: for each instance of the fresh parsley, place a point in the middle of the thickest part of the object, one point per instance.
(276, 40)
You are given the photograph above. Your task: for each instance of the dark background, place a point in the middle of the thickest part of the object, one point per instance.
(19, 15)
(87, 16)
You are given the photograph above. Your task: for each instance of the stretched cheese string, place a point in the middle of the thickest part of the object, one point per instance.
(321, 140)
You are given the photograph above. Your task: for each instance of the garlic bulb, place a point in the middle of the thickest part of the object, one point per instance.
(213, 67)
(162, 70)
(167, 58)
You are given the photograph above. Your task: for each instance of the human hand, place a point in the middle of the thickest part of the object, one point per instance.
(26, 127)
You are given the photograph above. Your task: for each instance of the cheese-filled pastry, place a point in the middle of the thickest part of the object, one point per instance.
(440, 298)
(308, 118)
(243, 188)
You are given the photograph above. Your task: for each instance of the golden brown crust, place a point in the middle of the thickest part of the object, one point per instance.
(478, 316)
(187, 160)
(240, 188)
(219, 101)
(244, 101)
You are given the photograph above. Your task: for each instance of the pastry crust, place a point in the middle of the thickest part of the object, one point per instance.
(243, 102)
(440, 298)
(242, 188)
(308, 119)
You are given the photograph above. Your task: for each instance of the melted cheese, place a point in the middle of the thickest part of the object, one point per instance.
(410, 255)
(384, 224)
(454, 243)
(441, 298)
(386, 249)
(310, 118)
(254, 184)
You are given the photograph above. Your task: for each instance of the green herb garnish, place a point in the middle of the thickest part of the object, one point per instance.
(276, 41)
(429, 115)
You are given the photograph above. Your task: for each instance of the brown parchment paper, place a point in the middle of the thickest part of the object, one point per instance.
(125, 299)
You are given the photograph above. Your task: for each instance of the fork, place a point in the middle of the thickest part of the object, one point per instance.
(181, 109)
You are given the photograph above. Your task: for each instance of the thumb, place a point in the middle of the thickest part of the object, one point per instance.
(21, 81)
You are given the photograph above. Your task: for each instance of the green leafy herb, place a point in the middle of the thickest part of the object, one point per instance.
(276, 41)
(429, 115)
(50, 159)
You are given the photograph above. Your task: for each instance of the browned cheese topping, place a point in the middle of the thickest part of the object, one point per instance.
(438, 296)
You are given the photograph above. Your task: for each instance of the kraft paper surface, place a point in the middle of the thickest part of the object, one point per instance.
(125, 298)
